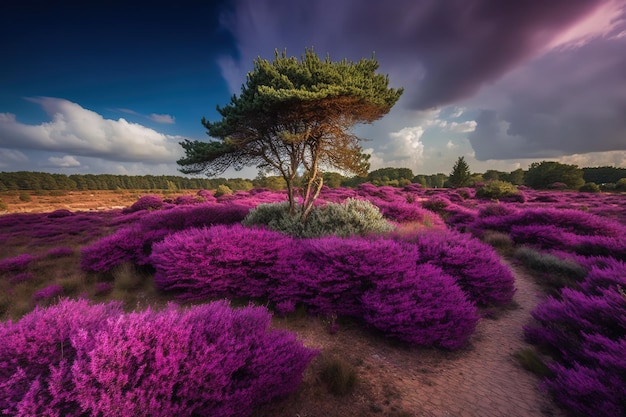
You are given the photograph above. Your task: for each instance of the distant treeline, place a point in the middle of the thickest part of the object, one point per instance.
(603, 175)
(398, 177)
(26, 180)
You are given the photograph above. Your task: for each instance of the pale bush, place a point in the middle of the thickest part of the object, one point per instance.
(352, 217)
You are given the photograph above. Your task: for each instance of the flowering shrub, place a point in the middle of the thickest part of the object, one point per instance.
(134, 243)
(211, 360)
(57, 214)
(48, 292)
(102, 288)
(36, 356)
(60, 252)
(146, 202)
(331, 275)
(185, 200)
(21, 277)
(17, 263)
(122, 246)
(423, 307)
(80, 359)
(220, 261)
(475, 265)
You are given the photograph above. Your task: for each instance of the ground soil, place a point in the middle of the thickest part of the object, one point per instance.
(482, 380)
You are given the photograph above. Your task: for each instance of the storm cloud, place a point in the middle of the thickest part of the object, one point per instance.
(441, 51)
(570, 101)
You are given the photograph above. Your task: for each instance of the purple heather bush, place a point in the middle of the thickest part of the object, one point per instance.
(102, 288)
(35, 354)
(125, 245)
(331, 273)
(561, 322)
(589, 391)
(146, 202)
(134, 243)
(21, 277)
(57, 214)
(422, 307)
(17, 263)
(210, 360)
(81, 359)
(220, 261)
(60, 252)
(48, 293)
(402, 212)
(182, 200)
(474, 265)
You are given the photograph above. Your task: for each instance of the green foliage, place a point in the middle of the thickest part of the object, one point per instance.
(338, 376)
(501, 242)
(541, 175)
(222, 190)
(3, 206)
(25, 197)
(531, 361)
(621, 185)
(554, 273)
(397, 177)
(460, 175)
(590, 187)
(603, 175)
(293, 115)
(353, 217)
(496, 190)
(515, 177)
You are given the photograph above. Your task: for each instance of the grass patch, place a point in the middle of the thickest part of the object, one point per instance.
(531, 361)
(554, 273)
(339, 377)
(501, 242)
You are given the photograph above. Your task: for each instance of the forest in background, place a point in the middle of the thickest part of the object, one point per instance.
(398, 177)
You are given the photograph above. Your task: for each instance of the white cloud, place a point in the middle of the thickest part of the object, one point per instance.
(463, 127)
(596, 159)
(450, 145)
(9, 157)
(162, 118)
(66, 161)
(403, 150)
(81, 132)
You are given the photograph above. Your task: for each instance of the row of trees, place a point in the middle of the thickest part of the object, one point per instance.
(539, 175)
(26, 180)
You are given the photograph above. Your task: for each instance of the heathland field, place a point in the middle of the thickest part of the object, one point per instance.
(388, 301)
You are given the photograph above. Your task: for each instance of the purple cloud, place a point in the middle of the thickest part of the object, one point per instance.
(570, 101)
(440, 51)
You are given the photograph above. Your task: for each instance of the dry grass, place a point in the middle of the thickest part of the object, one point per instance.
(78, 200)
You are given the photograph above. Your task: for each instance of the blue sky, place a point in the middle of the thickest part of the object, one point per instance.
(104, 87)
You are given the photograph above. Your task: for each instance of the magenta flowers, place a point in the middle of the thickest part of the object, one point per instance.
(81, 359)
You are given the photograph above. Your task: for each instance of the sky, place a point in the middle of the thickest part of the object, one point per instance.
(108, 87)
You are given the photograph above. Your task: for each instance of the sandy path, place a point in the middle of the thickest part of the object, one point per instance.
(485, 380)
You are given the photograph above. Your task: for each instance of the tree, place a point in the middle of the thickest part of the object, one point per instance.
(460, 175)
(543, 174)
(293, 117)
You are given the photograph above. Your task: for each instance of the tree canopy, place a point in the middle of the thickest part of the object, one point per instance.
(544, 174)
(293, 117)
(460, 175)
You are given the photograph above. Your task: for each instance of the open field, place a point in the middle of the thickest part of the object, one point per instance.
(47, 201)
(562, 243)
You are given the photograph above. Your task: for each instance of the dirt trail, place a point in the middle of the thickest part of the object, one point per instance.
(484, 381)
